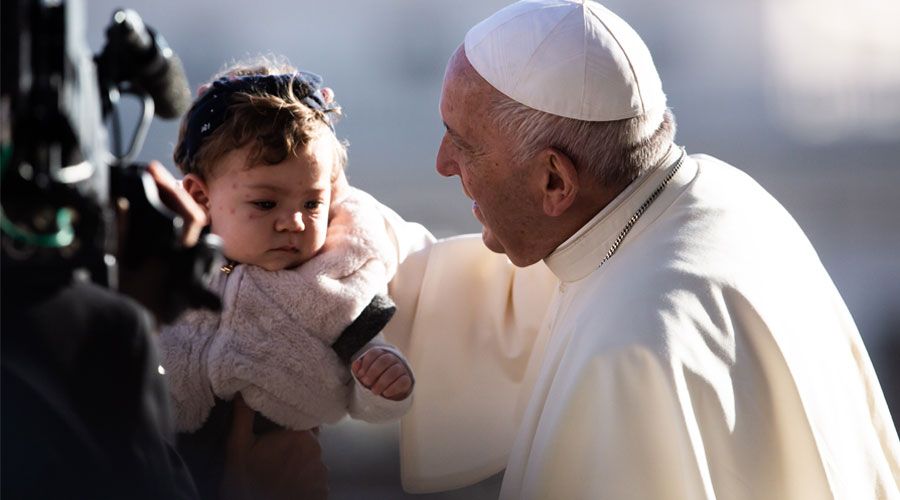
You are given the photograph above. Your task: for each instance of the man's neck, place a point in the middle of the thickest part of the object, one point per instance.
(593, 198)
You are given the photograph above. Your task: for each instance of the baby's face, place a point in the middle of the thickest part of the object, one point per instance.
(272, 216)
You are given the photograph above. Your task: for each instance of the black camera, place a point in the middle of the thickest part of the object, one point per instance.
(63, 183)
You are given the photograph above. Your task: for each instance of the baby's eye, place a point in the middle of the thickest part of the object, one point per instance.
(264, 204)
(312, 204)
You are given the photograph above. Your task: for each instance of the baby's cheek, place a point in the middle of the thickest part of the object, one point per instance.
(221, 214)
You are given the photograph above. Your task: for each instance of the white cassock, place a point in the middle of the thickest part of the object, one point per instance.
(710, 357)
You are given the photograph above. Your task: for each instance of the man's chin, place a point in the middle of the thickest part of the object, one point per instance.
(490, 241)
(518, 259)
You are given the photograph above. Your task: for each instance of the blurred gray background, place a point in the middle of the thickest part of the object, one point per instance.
(804, 95)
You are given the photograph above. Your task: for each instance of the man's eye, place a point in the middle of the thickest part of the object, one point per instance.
(459, 144)
(456, 143)
(312, 204)
(465, 149)
(264, 204)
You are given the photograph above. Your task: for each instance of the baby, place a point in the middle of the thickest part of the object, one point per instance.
(308, 266)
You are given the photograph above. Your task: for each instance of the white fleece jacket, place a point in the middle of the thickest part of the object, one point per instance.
(272, 340)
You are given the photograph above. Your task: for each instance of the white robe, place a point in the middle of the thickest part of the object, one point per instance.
(710, 357)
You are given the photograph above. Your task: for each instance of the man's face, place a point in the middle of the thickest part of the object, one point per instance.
(504, 201)
(272, 216)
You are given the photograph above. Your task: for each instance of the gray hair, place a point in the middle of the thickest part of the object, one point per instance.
(614, 152)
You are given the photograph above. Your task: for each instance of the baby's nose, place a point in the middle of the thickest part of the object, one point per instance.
(293, 222)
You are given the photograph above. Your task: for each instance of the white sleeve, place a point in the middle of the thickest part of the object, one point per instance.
(471, 336)
(469, 321)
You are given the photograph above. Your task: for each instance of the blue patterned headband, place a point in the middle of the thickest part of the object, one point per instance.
(210, 111)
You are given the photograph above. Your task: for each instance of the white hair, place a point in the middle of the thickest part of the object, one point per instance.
(614, 152)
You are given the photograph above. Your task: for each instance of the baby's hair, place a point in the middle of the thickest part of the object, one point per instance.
(275, 124)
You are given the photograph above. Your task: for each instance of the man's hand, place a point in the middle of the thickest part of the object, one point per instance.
(383, 373)
(147, 282)
(276, 465)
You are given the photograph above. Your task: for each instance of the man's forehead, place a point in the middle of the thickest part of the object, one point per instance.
(463, 75)
(464, 98)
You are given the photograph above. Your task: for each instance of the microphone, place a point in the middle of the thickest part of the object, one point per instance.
(136, 53)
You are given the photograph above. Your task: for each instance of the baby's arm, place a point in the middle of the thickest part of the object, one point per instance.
(384, 373)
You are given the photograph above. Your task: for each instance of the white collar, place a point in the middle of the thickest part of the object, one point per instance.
(582, 253)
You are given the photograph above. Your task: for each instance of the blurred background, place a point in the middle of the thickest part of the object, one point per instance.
(804, 95)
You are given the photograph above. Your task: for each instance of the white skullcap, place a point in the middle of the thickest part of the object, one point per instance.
(565, 57)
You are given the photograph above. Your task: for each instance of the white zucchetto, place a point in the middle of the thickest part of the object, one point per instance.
(566, 57)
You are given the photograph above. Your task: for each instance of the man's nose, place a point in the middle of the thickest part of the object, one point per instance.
(445, 162)
(291, 222)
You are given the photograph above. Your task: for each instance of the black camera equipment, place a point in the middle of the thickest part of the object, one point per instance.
(62, 187)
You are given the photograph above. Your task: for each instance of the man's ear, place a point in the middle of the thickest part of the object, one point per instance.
(560, 181)
(199, 191)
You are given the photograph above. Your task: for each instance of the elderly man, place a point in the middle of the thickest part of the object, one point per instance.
(688, 343)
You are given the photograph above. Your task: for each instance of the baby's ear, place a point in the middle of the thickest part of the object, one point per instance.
(199, 191)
